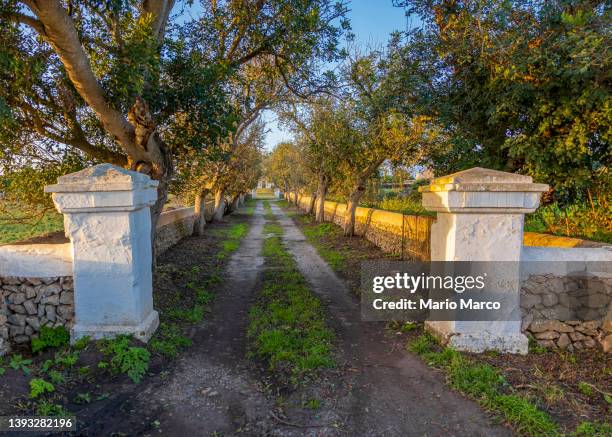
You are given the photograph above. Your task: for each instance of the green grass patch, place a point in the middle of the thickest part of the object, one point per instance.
(321, 230)
(131, 360)
(483, 383)
(589, 219)
(593, 429)
(18, 223)
(237, 231)
(287, 326)
(169, 341)
(315, 234)
(231, 243)
(273, 228)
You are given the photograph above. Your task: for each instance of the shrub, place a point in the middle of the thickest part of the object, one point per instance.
(51, 338)
(40, 386)
(133, 361)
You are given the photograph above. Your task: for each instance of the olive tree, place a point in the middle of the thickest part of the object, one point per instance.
(107, 80)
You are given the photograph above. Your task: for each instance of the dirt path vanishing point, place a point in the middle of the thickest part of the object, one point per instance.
(214, 389)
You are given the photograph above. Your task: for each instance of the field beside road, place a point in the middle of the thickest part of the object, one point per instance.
(17, 223)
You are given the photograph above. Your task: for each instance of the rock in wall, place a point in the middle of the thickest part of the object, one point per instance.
(27, 304)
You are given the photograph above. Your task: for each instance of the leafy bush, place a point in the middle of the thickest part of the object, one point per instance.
(51, 338)
(18, 362)
(590, 220)
(40, 386)
(403, 205)
(133, 361)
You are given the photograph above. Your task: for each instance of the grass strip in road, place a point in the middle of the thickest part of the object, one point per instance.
(287, 325)
(317, 235)
(485, 385)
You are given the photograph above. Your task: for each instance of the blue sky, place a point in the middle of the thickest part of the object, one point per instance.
(372, 21)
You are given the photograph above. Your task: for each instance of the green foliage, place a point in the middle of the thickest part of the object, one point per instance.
(237, 231)
(19, 363)
(535, 347)
(525, 416)
(405, 206)
(194, 314)
(484, 383)
(50, 338)
(287, 325)
(19, 221)
(47, 408)
(272, 228)
(580, 219)
(586, 389)
(133, 361)
(66, 359)
(232, 239)
(40, 386)
(422, 344)
(82, 398)
(593, 429)
(313, 404)
(169, 341)
(56, 377)
(81, 343)
(333, 257)
(527, 110)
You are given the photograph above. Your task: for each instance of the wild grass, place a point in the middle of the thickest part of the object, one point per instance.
(590, 220)
(16, 223)
(233, 235)
(287, 326)
(484, 384)
(403, 205)
(315, 235)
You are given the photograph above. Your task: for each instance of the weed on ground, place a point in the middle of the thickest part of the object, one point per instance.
(287, 325)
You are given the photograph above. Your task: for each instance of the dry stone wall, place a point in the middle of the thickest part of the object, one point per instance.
(568, 312)
(400, 234)
(548, 301)
(170, 234)
(27, 304)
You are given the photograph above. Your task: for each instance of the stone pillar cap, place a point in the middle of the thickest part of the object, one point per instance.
(484, 179)
(103, 188)
(102, 177)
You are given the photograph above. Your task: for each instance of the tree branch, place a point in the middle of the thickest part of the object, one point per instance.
(61, 33)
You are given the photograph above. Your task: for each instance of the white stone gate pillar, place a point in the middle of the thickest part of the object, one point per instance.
(107, 218)
(480, 218)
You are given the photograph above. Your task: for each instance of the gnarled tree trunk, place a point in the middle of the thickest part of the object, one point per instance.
(136, 134)
(321, 193)
(297, 198)
(219, 204)
(200, 212)
(353, 203)
(235, 203)
(311, 204)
